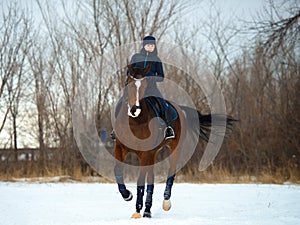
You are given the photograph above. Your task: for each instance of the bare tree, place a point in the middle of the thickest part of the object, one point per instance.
(15, 43)
(279, 31)
(37, 66)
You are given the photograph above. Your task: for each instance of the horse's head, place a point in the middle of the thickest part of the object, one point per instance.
(136, 85)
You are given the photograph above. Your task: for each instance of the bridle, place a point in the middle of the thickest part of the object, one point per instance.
(125, 96)
(136, 79)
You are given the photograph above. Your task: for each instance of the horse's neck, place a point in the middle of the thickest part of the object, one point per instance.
(144, 115)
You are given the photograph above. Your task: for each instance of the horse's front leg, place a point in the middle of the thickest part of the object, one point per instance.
(119, 168)
(140, 193)
(150, 189)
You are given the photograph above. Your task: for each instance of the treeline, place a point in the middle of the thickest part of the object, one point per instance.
(43, 61)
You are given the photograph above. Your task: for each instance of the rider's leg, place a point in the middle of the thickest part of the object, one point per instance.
(165, 113)
(163, 110)
(117, 110)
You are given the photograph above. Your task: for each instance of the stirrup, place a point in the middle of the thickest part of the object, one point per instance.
(169, 133)
(112, 135)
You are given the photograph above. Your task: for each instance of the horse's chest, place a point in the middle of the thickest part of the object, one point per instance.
(141, 131)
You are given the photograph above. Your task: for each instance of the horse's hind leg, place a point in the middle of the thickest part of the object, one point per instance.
(120, 156)
(167, 193)
(171, 176)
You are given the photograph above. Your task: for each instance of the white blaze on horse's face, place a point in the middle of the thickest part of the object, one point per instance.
(138, 110)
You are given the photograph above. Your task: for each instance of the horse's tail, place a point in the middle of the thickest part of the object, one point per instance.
(203, 129)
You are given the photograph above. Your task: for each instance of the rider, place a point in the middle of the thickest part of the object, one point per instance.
(148, 56)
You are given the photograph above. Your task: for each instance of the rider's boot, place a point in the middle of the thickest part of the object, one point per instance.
(169, 131)
(117, 110)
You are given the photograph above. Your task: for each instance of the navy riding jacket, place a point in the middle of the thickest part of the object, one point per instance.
(143, 58)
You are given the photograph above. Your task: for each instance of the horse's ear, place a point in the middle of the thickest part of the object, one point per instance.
(147, 69)
(130, 69)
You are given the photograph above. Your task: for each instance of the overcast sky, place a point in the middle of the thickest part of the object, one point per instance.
(198, 11)
(241, 8)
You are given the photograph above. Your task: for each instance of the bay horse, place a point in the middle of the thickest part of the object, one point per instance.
(135, 133)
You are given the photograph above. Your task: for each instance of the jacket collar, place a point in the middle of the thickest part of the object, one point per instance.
(150, 54)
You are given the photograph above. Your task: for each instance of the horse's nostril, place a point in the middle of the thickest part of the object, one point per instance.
(133, 110)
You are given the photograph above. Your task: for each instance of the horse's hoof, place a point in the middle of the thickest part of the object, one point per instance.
(167, 205)
(136, 215)
(147, 214)
(129, 197)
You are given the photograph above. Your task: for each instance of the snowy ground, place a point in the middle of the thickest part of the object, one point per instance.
(101, 204)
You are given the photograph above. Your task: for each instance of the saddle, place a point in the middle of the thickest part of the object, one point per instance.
(162, 109)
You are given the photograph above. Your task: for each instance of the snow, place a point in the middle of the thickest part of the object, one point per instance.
(24, 203)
